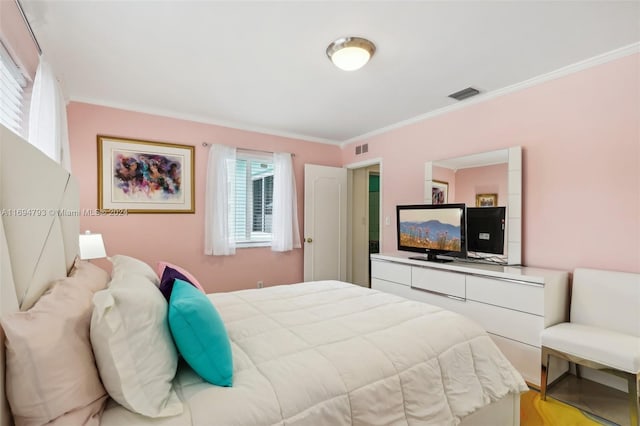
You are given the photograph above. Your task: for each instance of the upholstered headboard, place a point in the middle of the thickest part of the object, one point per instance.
(39, 227)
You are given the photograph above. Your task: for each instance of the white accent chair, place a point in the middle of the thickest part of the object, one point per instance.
(603, 332)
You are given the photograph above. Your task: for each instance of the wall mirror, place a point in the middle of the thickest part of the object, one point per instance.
(485, 179)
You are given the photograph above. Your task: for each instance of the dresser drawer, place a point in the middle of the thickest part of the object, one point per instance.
(509, 294)
(449, 283)
(390, 271)
(526, 359)
(389, 287)
(454, 305)
(505, 322)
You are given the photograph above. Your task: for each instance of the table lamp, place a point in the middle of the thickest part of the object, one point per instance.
(91, 246)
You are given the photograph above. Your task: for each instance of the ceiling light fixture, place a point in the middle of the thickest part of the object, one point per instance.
(350, 53)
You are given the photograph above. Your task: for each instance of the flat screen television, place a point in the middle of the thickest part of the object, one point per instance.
(432, 229)
(485, 229)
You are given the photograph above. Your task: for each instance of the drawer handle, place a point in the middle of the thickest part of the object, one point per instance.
(437, 293)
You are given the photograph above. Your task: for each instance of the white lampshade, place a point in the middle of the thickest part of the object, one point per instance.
(350, 53)
(91, 246)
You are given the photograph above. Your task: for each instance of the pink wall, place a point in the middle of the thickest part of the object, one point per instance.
(16, 37)
(581, 157)
(481, 180)
(178, 238)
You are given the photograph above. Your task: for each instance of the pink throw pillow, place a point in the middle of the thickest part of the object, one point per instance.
(51, 372)
(162, 265)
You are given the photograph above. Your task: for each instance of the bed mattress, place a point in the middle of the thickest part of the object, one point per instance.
(332, 353)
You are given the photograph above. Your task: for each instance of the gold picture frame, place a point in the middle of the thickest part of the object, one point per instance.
(486, 200)
(140, 176)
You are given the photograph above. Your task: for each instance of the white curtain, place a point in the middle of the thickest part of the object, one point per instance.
(48, 116)
(219, 202)
(284, 229)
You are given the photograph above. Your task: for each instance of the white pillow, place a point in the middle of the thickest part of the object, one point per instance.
(131, 265)
(134, 351)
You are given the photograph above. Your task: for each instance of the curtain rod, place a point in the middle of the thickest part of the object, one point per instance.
(207, 145)
(26, 21)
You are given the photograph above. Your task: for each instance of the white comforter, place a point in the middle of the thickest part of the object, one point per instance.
(331, 353)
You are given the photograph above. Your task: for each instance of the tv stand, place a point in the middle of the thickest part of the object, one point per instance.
(431, 258)
(514, 304)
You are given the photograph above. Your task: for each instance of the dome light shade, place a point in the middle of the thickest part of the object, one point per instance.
(350, 53)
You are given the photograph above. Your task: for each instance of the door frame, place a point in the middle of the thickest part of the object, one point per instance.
(350, 167)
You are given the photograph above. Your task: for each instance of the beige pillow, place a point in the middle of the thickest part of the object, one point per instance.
(89, 275)
(51, 372)
(130, 265)
(134, 350)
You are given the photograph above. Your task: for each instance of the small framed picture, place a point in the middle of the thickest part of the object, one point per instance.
(439, 192)
(486, 200)
(145, 176)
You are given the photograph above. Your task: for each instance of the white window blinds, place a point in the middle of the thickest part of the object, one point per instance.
(12, 88)
(253, 197)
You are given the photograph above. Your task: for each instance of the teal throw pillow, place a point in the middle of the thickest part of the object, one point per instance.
(200, 334)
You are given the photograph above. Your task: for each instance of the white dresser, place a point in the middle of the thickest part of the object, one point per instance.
(513, 304)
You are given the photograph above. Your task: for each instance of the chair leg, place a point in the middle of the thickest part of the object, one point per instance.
(544, 373)
(634, 398)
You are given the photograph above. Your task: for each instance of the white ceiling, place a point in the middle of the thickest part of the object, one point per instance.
(487, 158)
(262, 65)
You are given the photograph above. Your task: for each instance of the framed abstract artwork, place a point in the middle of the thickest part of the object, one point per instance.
(439, 192)
(145, 176)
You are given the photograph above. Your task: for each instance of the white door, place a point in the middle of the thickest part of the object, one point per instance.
(325, 223)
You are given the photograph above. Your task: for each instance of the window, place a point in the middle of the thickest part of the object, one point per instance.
(250, 201)
(253, 206)
(12, 91)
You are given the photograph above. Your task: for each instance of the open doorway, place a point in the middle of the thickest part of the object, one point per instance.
(364, 208)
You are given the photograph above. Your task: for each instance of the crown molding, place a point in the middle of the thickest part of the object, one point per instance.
(561, 72)
(201, 119)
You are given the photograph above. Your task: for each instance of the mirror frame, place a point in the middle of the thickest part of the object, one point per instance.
(514, 188)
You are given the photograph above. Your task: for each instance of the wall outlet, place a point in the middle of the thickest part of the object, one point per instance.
(260, 284)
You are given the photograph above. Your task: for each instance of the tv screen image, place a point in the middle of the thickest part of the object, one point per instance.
(434, 229)
(485, 229)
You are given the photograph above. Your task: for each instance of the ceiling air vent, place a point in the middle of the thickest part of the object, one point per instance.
(464, 93)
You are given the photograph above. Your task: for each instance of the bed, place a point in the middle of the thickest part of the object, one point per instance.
(314, 353)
